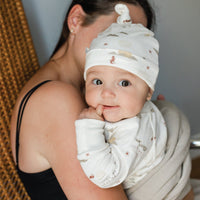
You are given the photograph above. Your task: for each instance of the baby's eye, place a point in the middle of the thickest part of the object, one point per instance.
(124, 83)
(97, 82)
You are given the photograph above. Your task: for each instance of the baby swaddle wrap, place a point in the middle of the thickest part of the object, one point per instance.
(170, 179)
(124, 151)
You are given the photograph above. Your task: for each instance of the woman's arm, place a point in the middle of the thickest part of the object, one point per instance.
(58, 142)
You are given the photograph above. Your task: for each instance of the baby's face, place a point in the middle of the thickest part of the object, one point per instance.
(121, 93)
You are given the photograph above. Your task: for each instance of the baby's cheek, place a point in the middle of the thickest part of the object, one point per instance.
(91, 99)
(133, 109)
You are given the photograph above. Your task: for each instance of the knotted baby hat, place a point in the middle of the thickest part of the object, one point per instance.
(127, 46)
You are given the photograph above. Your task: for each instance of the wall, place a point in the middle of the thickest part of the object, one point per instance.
(178, 28)
(45, 18)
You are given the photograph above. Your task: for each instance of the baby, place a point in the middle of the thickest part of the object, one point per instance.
(122, 135)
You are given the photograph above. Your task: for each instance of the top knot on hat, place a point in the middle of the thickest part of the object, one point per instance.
(127, 46)
(123, 11)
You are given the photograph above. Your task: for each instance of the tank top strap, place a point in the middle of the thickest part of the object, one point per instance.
(20, 114)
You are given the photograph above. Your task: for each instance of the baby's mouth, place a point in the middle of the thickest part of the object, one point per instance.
(106, 107)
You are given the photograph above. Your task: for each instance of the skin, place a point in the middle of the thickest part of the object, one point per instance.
(109, 98)
(47, 135)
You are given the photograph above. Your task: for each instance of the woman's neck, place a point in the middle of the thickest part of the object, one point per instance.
(68, 71)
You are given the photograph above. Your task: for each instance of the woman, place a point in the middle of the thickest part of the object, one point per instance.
(45, 146)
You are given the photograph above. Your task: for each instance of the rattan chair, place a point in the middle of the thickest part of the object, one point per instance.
(18, 62)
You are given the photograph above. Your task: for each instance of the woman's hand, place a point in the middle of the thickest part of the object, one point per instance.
(92, 113)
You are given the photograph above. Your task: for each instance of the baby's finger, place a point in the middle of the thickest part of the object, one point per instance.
(83, 114)
(99, 110)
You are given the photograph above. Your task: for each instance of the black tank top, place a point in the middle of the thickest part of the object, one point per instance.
(42, 185)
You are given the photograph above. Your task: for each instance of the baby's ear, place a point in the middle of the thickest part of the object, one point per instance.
(75, 17)
(149, 95)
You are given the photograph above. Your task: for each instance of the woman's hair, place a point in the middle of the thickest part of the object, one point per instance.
(95, 8)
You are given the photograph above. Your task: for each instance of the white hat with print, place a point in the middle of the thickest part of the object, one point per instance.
(127, 46)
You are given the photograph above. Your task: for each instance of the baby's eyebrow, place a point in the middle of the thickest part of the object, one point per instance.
(126, 73)
(93, 73)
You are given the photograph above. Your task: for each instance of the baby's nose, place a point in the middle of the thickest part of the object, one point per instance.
(108, 93)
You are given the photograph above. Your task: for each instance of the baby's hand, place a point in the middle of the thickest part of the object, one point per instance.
(92, 113)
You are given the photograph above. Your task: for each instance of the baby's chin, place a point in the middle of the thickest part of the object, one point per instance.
(113, 119)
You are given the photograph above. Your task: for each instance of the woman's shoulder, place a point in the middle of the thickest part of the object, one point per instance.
(57, 93)
(48, 103)
(48, 118)
(59, 88)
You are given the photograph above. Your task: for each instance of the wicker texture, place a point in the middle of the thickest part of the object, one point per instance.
(18, 62)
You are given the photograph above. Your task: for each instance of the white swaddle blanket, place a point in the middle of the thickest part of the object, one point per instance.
(170, 179)
(124, 151)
